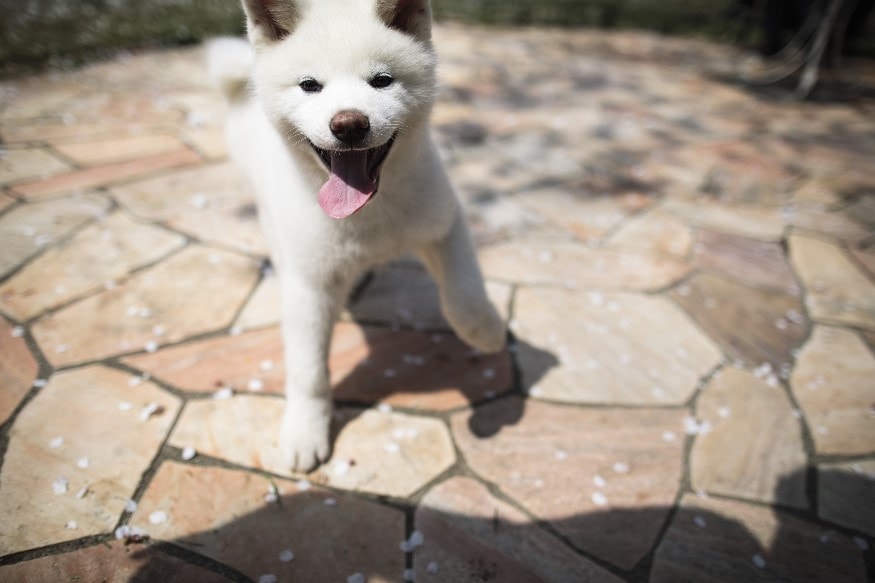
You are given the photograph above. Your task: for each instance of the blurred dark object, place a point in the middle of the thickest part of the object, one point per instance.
(805, 35)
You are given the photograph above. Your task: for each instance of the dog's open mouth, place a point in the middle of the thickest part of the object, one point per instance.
(353, 178)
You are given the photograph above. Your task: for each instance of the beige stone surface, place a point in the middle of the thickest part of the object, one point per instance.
(6, 201)
(774, 323)
(23, 163)
(586, 215)
(236, 526)
(838, 292)
(832, 382)
(28, 228)
(18, 369)
(584, 471)
(110, 562)
(69, 270)
(720, 540)
(754, 447)
(470, 534)
(614, 350)
(164, 304)
(211, 202)
(575, 265)
(263, 307)
(846, 494)
(656, 231)
(94, 151)
(386, 453)
(749, 221)
(96, 176)
(45, 483)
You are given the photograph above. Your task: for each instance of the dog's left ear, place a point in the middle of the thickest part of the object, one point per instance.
(411, 17)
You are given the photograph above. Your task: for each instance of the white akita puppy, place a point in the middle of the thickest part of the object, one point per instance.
(337, 145)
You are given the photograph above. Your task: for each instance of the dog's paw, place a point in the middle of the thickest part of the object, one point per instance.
(484, 330)
(304, 434)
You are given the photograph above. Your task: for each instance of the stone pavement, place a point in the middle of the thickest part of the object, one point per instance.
(688, 273)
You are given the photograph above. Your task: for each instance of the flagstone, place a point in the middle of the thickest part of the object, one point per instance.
(846, 494)
(104, 150)
(575, 265)
(110, 561)
(234, 525)
(414, 370)
(470, 535)
(656, 231)
(867, 258)
(614, 350)
(95, 176)
(90, 414)
(23, 163)
(837, 291)
(832, 383)
(18, 369)
(68, 271)
(758, 263)
(587, 216)
(213, 203)
(36, 97)
(6, 201)
(841, 224)
(722, 540)
(263, 307)
(583, 471)
(751, 221)
(28, 228)
(162, 305)
(753, 448)
(774, 324)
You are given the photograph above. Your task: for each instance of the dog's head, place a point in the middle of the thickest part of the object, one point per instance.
(342, 79)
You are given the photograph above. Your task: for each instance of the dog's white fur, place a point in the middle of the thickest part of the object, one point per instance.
(343, 43)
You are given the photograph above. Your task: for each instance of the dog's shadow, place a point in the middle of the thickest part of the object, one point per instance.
(420, 364)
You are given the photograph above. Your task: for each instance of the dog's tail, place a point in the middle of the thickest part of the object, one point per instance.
(229, 62)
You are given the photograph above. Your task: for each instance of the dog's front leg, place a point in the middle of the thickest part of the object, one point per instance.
(309, 311)
(453, 264)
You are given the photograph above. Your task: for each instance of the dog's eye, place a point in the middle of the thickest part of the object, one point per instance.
(381, 80)
(310, 85)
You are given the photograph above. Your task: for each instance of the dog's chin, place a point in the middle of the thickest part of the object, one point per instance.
(376, 156)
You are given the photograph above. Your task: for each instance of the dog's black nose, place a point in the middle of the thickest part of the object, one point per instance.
(350, 126)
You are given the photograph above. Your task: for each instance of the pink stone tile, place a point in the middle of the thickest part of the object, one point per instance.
(77, 452)
(367, 365)
(69, 271)
(576, 265)
(234, 525)
(718, 540)
(105, 174)
(656, 231)
(113, 561)
(603, 478)
(198, 290)
(774, 323)
(18, 369)
(758, 263)
(470, 535)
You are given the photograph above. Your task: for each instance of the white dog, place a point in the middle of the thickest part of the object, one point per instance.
(337, 145)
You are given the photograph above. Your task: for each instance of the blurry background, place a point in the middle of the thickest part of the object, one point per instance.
(63, 33)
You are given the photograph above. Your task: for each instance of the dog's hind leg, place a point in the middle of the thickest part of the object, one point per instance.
(453, 264)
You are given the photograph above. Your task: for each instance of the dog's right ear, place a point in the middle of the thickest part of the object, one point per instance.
(269, 21)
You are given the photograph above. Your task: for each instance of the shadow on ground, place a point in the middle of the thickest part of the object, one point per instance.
(469, 535)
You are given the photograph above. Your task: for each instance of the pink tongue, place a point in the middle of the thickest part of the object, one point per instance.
(349, 187)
